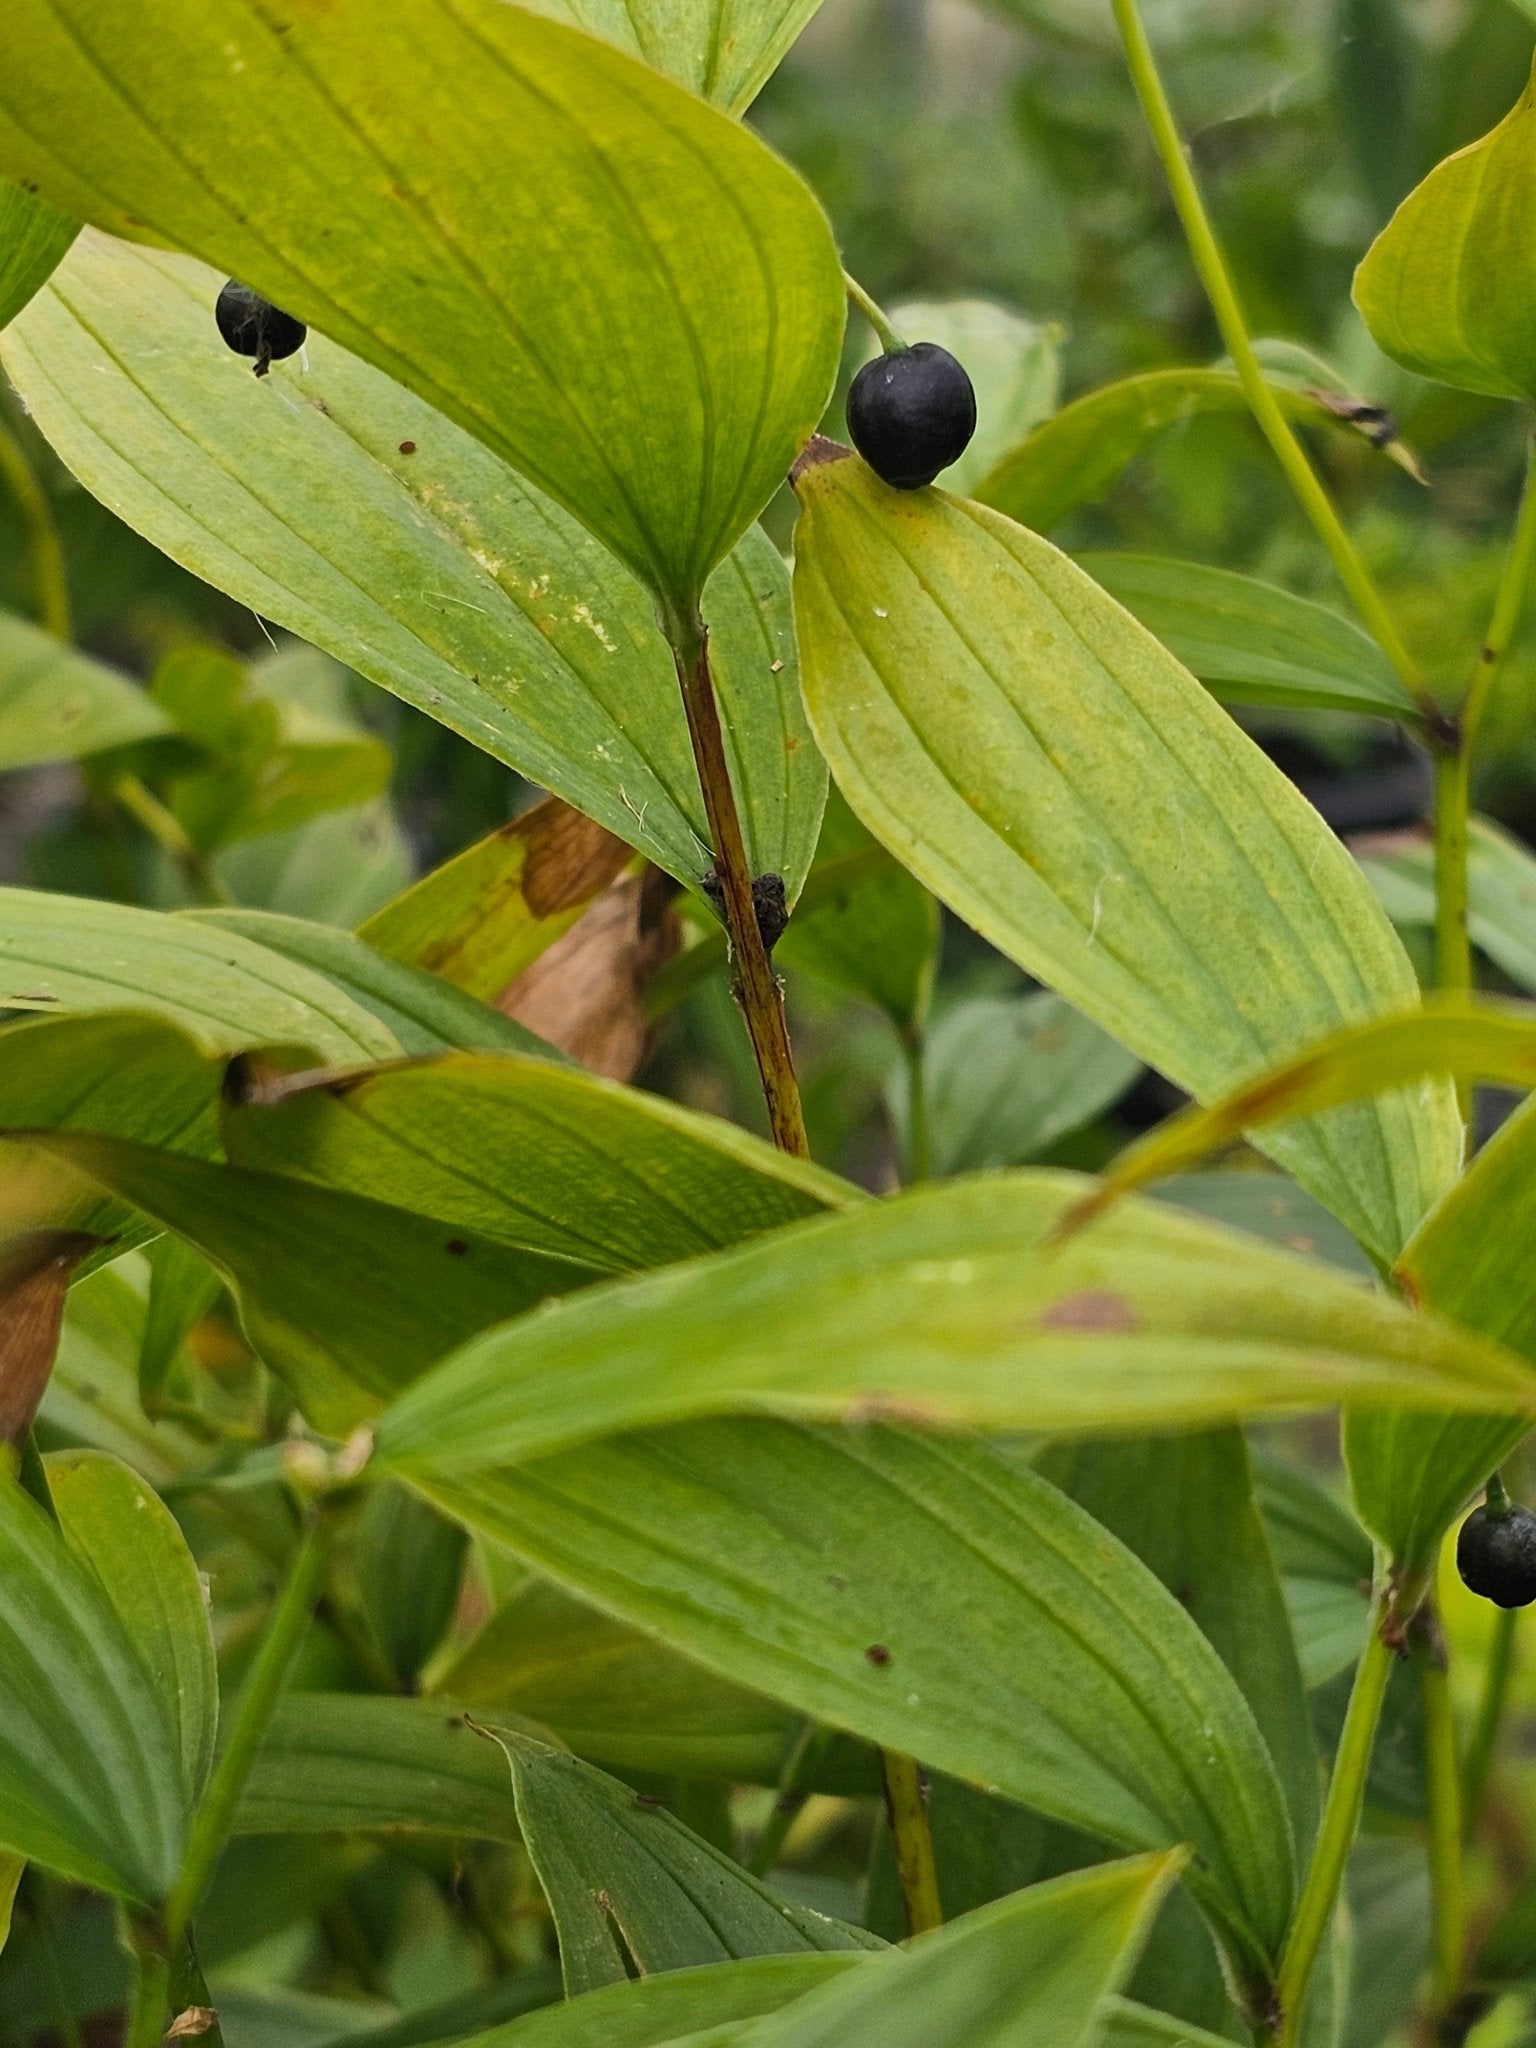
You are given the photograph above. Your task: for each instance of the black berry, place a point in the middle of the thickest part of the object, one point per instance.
(253, 326)
(1496, 1555)
(911, 413)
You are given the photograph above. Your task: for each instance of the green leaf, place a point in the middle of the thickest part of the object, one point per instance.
(424, 1013)
(116, 1523)
(936, 1598)
(1057, 779)
(1128, 2025)
(621, 1699)
(1326, 1567)
(338, 868)
(1034, 1968)
(632, 1891)
(1270, 1206)
(571, 312)
(92, 1782)
(954, 1306)
(182, 1288)
(438, 573)
(1078, 456)
(647, 2012)
(1185, 1506)
(724, 50)
(1014, 366)
(33, 238)
(334, 1763)
(864, 923)
(534, 1154)
(1412, 1475)
(59, 705)
(60, 953)
(1449, 285)
(1008, 1075)
(416, 1288)
(1451, 1033)
(482, 917)
(1501, 890)
(1390, 1918)
(409, 1564)
(268, 765)
(1251, 642)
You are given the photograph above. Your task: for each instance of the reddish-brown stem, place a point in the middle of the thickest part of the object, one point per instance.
(757, 986)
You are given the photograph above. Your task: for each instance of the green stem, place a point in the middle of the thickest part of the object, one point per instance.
(1442, 1773)
(150, 2013)
(1341, 1819)
(49, 579)
(263, 1687)
(1508, 606)
(919, 1127)
(757, 986)
(886, 334)
(1490, 1712)
(1209, 262)
(146, 809)
(912, 1837)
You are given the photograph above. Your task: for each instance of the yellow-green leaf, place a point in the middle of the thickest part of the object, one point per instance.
(724, 50)
(1060, 781)
(33, 236)
(340, 505)
(1449, 285)
(613, 285)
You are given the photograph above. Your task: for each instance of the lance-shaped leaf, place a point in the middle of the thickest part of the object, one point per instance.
(33, 237)
(1449, 285)
(633, 1891)
(91, 1773)
(331, 499)
(534, 1154)
(1061, 782)
(647, 2012)
(1413, 1474)
(1475, 1039)
(118, 1524)
(334, 1763)
(569, 310)
(425, 1013)
(951, 1306)
(1079, 454)
(58, 705)
(74, 953)
(417, 1288)
(1252, 643)
(937, 1598)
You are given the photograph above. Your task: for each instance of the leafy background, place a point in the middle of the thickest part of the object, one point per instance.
(963, 153)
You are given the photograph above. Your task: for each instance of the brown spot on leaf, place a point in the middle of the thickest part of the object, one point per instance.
(570, 858)
(407, 447)
(457, 1247)
(815, 454)
(1091, 1308)
(878, 1655)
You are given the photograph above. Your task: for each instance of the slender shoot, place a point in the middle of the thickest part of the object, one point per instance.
(913, 1840)
(875, 314)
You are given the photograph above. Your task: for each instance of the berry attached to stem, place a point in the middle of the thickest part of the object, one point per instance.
(911, 413)
(1496, 1552)
(253, 326)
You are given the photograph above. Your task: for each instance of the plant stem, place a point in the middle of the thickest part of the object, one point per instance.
(1442, 1773)
(146, 809)
(263, 1688)
(1490, 1712)
(1341, 1818)
(150, 2013)
(49, 579)
(886, 334)
(757, 986)
(913, 1841)
(1209, 262)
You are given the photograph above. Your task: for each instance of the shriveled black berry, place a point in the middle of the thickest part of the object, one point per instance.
(1496, 1555)
(912, 413)
(253, 326)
